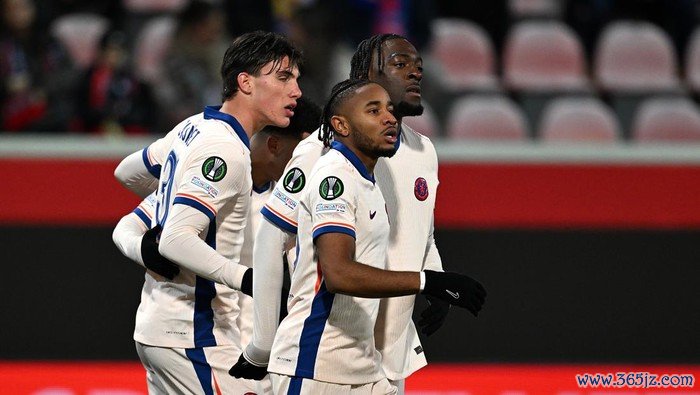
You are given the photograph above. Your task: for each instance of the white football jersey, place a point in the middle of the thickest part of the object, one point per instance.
(245, 302)
(409, 183)
(207, 167)
(329, 337)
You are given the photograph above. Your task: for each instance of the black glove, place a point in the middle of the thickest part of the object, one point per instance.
(152, 258)
(456, 289)
(243, 369)
(247, 283)
(432, 318)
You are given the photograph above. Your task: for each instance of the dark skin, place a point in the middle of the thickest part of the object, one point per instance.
(401, 76)
(366, 125)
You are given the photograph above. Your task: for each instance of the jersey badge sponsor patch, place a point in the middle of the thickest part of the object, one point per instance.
(294, 180)
(331, 188)
(208, 188)
(214, 169)
(331, 208)
(420, 189)
(289, 202)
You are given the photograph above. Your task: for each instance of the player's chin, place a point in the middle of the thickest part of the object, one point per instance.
(281, 122)
(385, 150)
(410, 107)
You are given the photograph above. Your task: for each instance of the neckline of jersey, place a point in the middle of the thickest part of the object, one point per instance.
(263, 188)
(212, 112)
(347, 153)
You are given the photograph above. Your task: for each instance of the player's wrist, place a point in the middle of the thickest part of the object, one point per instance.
(422, 281)
(256, 356)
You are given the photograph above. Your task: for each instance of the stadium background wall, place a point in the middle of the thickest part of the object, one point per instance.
(583, 262)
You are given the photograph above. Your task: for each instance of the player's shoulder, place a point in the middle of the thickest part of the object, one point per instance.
(334, 163)
(415, 138)
(310, 145)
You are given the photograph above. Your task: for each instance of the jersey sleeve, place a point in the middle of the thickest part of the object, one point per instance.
(128, 232)
(332, 199)
(213, 175)
(282, 208)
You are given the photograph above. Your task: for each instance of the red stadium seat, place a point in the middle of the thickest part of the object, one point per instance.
(80, 33)
(544, 56)
(487, 118)
(667, 120)
(635, 56)
(586, 120)
(466, 55)
(534, 8)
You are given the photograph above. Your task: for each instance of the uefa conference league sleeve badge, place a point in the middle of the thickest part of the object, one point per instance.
(294, 180)
(331, 188)
(214, 169)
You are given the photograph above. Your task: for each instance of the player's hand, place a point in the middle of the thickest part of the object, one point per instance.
(456, 289)
(432, 318)
(247, 283)
(244, 369)
(152, 258)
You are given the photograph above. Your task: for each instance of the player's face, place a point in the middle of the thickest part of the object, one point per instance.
(373, 126)
(276, 93)
(401, 76)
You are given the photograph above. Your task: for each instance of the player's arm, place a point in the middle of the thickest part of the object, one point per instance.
(268, 277)
(193, 212)
(135, 175)
(127, 236)
(435, 314)
(134, 239)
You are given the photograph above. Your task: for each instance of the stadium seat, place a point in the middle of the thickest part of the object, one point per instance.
(154, 6)
(80, 33)
(692, 61)
(520, 9)
(544, 56)
(492, 118)
(635, 56)
(425, 124)
(667, 120)
(635, 61)
(466, 55)
(586, 120)
(151, 46)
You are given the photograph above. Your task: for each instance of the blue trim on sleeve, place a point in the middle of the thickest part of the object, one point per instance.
(143, 216)
(201, 368)
(212, 112)
(277, 221)
(333, 229)
(312, 332)
(204, 293)
(343, 149)
(153, 169)
(194, 204)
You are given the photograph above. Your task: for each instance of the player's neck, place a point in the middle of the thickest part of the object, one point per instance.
(260, 179)
(242, 114)
(367, 160)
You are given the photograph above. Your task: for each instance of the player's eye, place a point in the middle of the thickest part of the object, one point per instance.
(374, 111)
(400, 65)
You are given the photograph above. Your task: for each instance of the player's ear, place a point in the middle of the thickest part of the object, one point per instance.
(245, 83)
(273, 144)
(340, 125)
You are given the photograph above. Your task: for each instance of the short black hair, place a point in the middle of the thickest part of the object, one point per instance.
(306, 119)
(362, 58)
(250, 52)
(339, 94)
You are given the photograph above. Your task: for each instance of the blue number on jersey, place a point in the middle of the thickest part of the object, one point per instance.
(165, 187)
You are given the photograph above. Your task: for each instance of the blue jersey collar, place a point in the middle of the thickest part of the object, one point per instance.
(263, 188)
(343, 149)
(212, 112)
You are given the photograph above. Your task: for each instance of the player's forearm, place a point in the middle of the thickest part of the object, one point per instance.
(127, 237)
(268, 276)
(357, 279)
(180, 243)
(432, 260)
(133, 174)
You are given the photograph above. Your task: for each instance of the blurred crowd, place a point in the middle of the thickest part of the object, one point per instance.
(138, 66)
